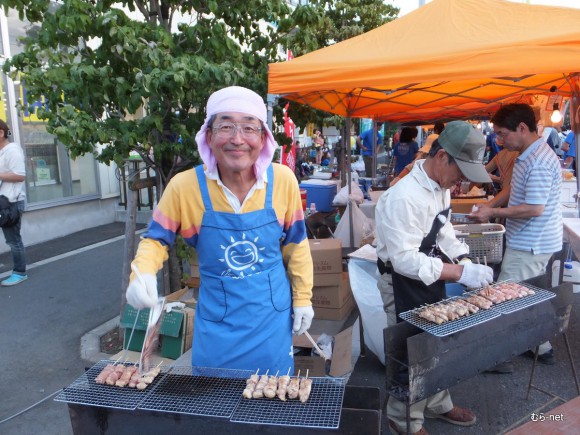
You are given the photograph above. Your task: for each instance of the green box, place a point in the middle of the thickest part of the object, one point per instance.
(127, 322)
(176, 332)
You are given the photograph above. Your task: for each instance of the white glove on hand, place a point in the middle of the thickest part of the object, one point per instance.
(476, 275)
(302, 319)
(142, 291)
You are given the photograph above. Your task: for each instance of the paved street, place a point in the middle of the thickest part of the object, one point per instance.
(42, 322)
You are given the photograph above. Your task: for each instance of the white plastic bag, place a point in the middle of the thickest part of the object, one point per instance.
(341, 198)
(362, 227)
(363, 281)
(359, 165)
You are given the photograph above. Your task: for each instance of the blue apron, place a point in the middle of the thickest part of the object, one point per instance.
(243, 316)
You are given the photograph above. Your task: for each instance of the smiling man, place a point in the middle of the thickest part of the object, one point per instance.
(243, 215)
(414, 234)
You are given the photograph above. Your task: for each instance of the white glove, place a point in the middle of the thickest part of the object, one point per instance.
(302, 319)
(476, 275)
(142, 291)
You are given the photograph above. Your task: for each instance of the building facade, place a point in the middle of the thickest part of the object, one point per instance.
(63, 195)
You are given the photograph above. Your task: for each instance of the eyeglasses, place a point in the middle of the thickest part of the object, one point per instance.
(229, 129)
(503, 134)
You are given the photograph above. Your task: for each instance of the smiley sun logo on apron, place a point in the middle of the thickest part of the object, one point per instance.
(241, 257)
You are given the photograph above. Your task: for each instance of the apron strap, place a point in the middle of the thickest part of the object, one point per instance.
(430, 240)
(269, 187)
(203, 188)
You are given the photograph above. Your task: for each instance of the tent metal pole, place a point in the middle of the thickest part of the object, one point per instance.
(575, 126)
(348, 180)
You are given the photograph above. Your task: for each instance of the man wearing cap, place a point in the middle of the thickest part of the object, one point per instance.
(533, 214)
(415, 235)
(243, 215)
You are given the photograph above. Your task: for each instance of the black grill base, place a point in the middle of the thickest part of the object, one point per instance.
(361, 415)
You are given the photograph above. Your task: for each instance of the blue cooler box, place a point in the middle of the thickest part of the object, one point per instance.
(321, 193)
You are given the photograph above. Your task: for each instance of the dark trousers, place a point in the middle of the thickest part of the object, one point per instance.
(14, 241)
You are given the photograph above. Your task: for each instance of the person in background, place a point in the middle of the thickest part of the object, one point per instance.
(422, 153)
(500, 169)
(533, 215)
(405, 150)
(569, 156)
(365, 142)
(437, 129)
(243, 215)
(318, 142)
(12, 177)
(325, 159)
(415, 235)
(492, 148)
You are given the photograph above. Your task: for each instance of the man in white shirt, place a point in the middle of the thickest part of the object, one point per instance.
(415, 235)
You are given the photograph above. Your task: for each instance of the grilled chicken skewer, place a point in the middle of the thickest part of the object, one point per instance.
(270, 388)
(251, 385)
(305, 388)
(283, 382)
(294, 387)
(259, 391)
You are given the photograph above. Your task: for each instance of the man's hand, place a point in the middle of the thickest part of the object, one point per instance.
(302, 319)
(142, 291)
(476, 275)
(482, 214)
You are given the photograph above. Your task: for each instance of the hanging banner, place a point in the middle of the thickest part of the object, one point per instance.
(289, 152)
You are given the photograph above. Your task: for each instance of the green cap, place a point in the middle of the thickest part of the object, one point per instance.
(467, 146)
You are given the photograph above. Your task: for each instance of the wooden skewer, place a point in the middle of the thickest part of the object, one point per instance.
(298, 375)
(117, 362)
(257, 371)
(288, 373)
(307, 373)
(485, 260)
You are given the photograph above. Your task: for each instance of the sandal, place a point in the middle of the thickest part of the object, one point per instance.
(458, 416)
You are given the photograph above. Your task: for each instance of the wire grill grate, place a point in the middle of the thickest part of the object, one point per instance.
(198, 391)
(322, 410)
(452, 326)
(514, 305)
(481, 316)
(85, 391)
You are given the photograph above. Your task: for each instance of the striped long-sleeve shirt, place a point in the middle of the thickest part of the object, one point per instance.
(536, 180)
(180, 211)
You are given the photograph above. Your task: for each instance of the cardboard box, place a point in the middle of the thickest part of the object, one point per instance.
(326, 255)
(334, 296)
(327, 279)
(335, 313)
(176, 332)
(464, 205)
(340, 363)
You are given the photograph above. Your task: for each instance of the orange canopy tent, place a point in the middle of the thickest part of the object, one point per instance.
(450, 59)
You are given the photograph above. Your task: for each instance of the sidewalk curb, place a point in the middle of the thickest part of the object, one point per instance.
(90, 342)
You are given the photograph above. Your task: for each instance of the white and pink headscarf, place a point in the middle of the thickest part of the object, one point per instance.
(236, 99)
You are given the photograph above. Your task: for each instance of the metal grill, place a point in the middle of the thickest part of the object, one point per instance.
(198, 391)
(85, 391)
(452, 326)
(321, 410)
(513, 305)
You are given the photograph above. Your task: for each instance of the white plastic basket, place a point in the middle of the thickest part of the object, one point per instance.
(460, 218)
(485, 241)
